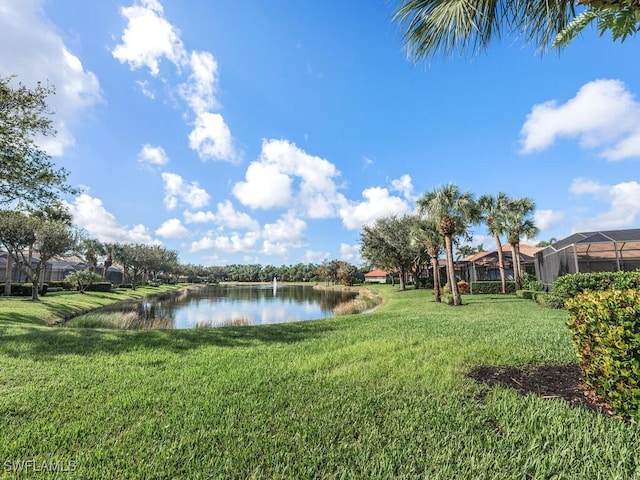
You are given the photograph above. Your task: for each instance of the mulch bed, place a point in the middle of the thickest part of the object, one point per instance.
(549, 381)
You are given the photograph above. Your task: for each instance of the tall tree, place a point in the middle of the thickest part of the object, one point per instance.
(17, 234)
(454, 212)
(27, 173)
(492, 211)
(387, 244)
(518, 223)
(433, 27)
(427, 234)
(92, 249)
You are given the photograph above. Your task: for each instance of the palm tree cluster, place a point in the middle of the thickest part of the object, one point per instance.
(444, 218)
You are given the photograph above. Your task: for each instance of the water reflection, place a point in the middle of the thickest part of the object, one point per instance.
(225, 305)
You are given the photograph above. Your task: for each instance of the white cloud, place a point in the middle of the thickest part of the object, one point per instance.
(177, 189)
(211, 138)
(148, 38)
(623, 201)
(284, 175)
(315, 257)
(404, 186)
(235, 243)
(287, 229)
(265, 187)
(34, 51)
(200, 89)
(199, 217)
(603, 115)
(275, 248)
(547, 219)
(350, 253)
(172, 228)
(150, 155)
(377, 203)
(89, 213)
(229, 217)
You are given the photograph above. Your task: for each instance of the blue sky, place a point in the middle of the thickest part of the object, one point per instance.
(271, 132)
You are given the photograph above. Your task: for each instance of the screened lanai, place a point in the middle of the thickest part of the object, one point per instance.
(603, 251)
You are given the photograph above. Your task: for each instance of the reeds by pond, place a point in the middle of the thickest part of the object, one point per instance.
(366, 300)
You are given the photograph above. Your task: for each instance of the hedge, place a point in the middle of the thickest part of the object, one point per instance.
(606, 332)
(25, 289)
(491, 287)
(528, 294)
(99, 287)
(573, 284)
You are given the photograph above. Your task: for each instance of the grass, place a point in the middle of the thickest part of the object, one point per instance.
(381, 395)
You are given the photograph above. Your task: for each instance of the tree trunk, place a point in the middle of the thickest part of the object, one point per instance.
(517, 262)
(8, 274)
(503, 280)
(451, 276)
(401, 277)
(436, 278)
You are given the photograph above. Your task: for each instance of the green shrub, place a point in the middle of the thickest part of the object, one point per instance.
(447, 298)
(529, 282)
(99, 287)
(571, 285)
(548, 300)
(25, 289)
(63, 284)
(125, 285)
(528, 294)
(606, 332)
(491, 287)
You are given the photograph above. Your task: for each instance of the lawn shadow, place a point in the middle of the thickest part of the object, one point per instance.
(49, 343)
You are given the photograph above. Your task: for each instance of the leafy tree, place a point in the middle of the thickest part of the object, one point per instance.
(27, 174)
(492, 211)
(454, 212)
(433, 27)
(387, 244)
(82, 279)
(17, 234)
(92, 250)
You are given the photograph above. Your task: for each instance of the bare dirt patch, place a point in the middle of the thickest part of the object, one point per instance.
(548, 381)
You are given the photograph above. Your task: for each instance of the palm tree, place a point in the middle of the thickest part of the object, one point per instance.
(444, 26)
(453, 211)
(92, 249)
(492, 211)
(427, 234)
(517, 222)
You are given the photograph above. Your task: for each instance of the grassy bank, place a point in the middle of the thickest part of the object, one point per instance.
(56, 307)
(382, 395)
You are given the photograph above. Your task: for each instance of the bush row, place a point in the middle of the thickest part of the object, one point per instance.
(491, 287)
(606, 332)
(573, 284)
(25, 289)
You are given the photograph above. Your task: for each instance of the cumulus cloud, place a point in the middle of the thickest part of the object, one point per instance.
(212, 139)
(89, 213)
(34, 51)
(315, 257)
(284, 174)
(287, 228)
(177, 189)
(350, 253)
(152, 156)
(377, 203)
(546, 219)
(235, 243)
(172, 228)
(623, 200)
(603, 115)
(226, 216)
(148, 38)
(200, 89)
(404, 186)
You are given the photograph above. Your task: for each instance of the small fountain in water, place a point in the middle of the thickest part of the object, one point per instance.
(275, 286)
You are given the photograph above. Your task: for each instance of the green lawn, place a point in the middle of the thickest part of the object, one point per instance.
(380, 395)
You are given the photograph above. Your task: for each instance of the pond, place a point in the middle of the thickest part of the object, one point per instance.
(226, 305)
